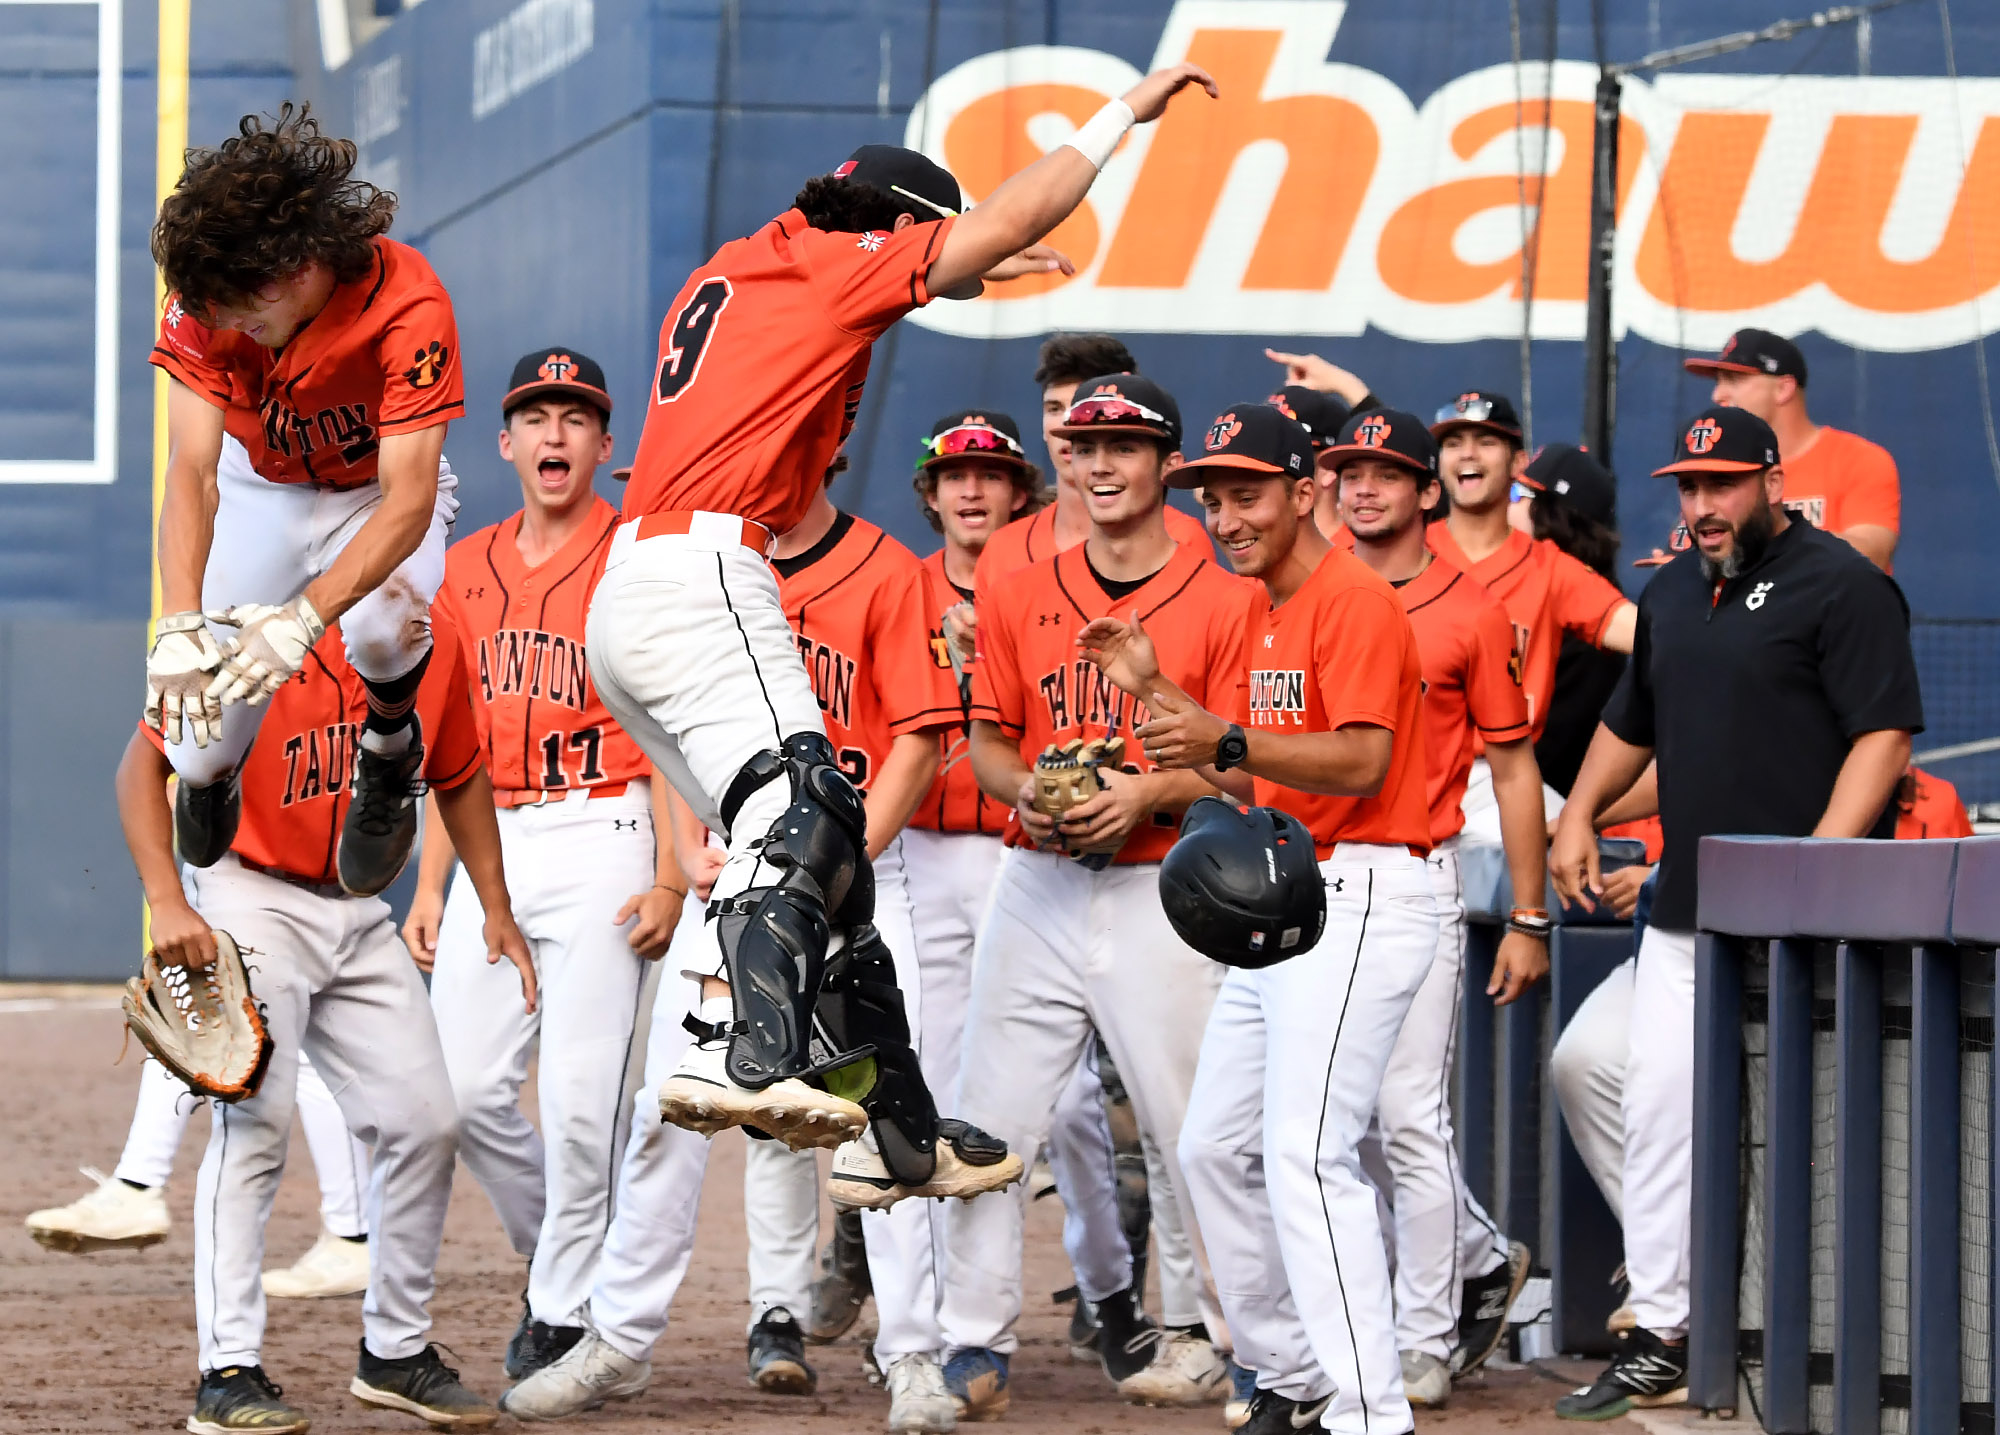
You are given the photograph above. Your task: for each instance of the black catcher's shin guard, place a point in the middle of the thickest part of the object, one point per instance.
(774, 940)
(861, 1006)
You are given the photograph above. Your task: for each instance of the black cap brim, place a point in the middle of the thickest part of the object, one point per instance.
(1333, 453)
(1506, 431)
(1255, 467)
(1711, 465)
(541, 389)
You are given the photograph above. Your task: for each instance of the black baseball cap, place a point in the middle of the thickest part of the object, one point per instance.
(558, 369)
(1320, 415)
(1479, 409)
(1754, 351)
(1260, 438)
(1722, 440)
(980, 433)
(1566, 472)
(917, 183)
(1122, 403)
(1385, 433)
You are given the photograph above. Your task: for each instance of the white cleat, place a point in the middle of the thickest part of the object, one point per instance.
(700, 1097)
(918, 1399)
(114, 1217)
(1426, 1380)
(1186, 1370)
(969, 1163)
(587, 1375)
(333, 1267)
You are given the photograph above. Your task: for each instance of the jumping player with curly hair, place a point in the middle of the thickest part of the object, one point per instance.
(312, 368)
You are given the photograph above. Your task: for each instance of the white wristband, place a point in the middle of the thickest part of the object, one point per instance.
(1099, 135)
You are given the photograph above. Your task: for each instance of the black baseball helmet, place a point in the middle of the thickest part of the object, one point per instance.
(1243, 885)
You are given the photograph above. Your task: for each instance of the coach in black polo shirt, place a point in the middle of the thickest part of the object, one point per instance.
(1771, 677)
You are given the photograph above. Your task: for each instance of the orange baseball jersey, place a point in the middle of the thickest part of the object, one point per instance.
(1928, 806)
(297, 777)
(860, 607)
(1841, 479)
(763, 356)
(1339, 652)
(1472, 683)
(1031, 539)
(1546, 593)
(381, 358)
(955, 802)
(544, 726)
(1032, 681)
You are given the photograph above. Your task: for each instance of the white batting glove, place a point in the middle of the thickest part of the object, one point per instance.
(271, 645)
(183, 661)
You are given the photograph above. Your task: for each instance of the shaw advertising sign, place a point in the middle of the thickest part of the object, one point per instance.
(1316, 198)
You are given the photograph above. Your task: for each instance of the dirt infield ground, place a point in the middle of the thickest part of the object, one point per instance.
(105, 1343)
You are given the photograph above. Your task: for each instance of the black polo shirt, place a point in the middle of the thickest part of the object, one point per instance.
(1751, 697)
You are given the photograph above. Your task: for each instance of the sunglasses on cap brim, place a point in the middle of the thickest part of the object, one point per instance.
(971, 438)
(930, 204)
(1112, 410)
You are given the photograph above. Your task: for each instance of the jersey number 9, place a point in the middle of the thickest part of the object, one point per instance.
(680, 360)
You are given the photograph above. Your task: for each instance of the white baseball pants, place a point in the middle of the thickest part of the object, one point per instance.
(1443, 1235)
(781, 1188)
(334, 980)
(571, 865)
(1588, 1068)
(1659, 1131)
(951, 876)
(271, 539)
(1064, 948)
(1291, 1072)
(651, 1239)
(691, 653)
(165, 1106)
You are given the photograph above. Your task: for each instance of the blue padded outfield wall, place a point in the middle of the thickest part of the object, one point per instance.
(1362, 190)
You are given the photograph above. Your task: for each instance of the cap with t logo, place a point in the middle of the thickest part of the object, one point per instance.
(1722, 440)
(1255, 438)
(1389, 434)
(557, 370)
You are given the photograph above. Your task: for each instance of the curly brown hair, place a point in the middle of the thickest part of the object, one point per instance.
(262, 205)
(1026, 478)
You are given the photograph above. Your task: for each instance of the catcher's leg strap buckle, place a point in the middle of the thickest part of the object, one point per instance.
(708, 1032)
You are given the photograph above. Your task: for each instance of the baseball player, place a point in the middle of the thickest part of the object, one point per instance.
(1384, 477)
(952, 876)
(1835, 480)
(312, 367)
(128, 1210)
(1068, 943)
(1330, 694)
(860, 606)
(595, 894)
(1066, 360)
(763, 357)
(333, 982)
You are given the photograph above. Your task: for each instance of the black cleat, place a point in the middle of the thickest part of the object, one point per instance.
(1646, 1372)
(421, 1385)
(1482, 1312)
(778, 1356)
(381, 825)
(242, 1397)
(205, 820)
(1275, 1414)
(536, 1344)
(1127, 1339)
(844, 1284)
(1082, 1328)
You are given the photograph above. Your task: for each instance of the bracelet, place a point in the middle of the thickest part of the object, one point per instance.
(669, 887)
(1099, 135)
(1529, 922)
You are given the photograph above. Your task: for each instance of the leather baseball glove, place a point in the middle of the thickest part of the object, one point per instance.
(202, 1024)
(1067, 776)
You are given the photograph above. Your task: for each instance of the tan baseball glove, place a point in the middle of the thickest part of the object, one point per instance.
(203, 1025)
(1067, 776)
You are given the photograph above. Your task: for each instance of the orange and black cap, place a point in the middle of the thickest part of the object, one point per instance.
(1722, 440)
(1754, 351)
(1573, 476)
(1387, 434)
(1320, 415)
(1122, 403)
(975, 433)
(1478, 409)
(1258, 439)
(557, 370)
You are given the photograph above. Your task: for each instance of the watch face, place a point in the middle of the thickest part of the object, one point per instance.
(1231, 749)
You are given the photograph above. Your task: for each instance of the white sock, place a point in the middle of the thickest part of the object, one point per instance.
(718, 1011)
(388, 744)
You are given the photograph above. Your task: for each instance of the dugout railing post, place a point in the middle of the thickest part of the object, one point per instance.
(1789, 929)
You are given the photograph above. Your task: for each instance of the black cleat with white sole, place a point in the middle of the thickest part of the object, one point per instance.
(421, 1385)
(381, 826)
(1275, 1414)
(243, 1397)
(1645, 1373)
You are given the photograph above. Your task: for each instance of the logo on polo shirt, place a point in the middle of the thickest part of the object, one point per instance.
(1757, 596)
(1702, 436)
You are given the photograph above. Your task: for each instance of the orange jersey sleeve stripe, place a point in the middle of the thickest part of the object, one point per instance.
(522, 633)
